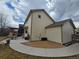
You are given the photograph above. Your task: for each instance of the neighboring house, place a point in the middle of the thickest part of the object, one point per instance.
(13, 30)
(21, 30)
(39, 24)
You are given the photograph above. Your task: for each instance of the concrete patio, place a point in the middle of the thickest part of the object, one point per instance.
(44, 52)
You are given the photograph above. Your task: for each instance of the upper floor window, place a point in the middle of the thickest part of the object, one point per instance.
(39, 16)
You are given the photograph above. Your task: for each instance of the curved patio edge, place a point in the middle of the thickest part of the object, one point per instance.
(46, 52)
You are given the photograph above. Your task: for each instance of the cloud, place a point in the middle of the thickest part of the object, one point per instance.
(64, 9)
(20, 10)
(6, 11)
(9, 10)
(11, 22)
(37, 4)
(9, 5)
(58, 9)
(14, 8)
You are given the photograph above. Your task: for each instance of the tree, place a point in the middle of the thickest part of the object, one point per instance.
(3, 21)
(3, 25)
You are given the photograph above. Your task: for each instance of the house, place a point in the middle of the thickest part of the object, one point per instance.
(13, 30)
(36, 22)
(40, 25)
(21, 30)
(61, 31)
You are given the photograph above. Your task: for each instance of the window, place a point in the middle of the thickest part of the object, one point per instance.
(39, 16)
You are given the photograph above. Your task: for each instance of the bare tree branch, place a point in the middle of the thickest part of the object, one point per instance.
(3, 19)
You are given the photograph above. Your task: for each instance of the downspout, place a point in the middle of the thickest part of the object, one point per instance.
(31, 26)
(61, 34)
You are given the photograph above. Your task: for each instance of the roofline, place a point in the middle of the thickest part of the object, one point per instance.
(67, 20)
(71, 22)
(34, 10)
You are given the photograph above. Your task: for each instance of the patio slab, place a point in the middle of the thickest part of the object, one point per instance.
(46, 52)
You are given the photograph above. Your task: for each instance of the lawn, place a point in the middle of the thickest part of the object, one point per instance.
(3, 37)
(7, 53)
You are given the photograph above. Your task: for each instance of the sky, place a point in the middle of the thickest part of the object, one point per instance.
(17, 10)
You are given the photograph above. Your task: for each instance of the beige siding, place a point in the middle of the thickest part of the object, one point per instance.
(28, 23)
(54, 34)
(67, 32)
(38, 24)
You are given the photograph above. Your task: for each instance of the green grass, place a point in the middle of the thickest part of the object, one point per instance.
(7, 53)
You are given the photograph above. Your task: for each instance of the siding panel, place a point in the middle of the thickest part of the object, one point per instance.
(54, 34)
(67, 32)
(28, 23)
(39, 24)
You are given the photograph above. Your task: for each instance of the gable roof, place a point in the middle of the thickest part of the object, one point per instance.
(34, 10)
(60, 23)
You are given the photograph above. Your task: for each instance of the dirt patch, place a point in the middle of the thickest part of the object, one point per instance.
(44, 44)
